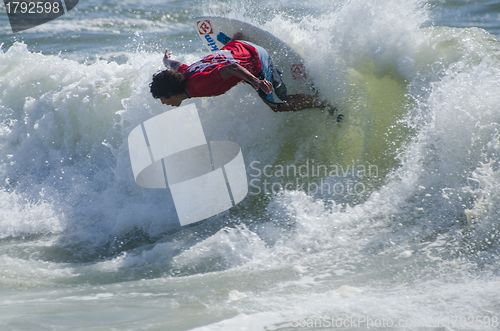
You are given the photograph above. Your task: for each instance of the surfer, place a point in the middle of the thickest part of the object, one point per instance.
(216, 73)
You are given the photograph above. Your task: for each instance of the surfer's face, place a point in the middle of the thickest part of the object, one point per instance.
(174, 100)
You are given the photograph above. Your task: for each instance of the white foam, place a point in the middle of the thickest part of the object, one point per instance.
(304, 256)
(19, 217)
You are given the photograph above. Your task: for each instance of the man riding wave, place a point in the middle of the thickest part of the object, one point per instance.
(216, 73)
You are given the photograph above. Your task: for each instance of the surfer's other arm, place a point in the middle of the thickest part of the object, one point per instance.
(235, 69)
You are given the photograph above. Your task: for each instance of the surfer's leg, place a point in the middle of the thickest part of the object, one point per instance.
(296, 102)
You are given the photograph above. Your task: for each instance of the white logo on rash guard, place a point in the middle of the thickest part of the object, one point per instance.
(215, 59)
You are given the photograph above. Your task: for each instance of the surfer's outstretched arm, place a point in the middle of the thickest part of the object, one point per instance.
(301, 101)
(170, 64)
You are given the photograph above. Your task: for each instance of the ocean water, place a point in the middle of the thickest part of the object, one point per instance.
(387, 220)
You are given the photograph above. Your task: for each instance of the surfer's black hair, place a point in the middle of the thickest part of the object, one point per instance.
(167, 83)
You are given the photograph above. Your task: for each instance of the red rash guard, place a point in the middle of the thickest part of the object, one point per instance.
(203, 78)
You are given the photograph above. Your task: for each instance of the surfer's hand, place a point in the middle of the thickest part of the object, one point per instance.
(170, 64)
(265, 85)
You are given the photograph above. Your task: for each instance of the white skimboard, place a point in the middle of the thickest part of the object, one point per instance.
(215, 32)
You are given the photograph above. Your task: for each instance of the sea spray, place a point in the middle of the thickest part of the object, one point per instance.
(420, 103)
